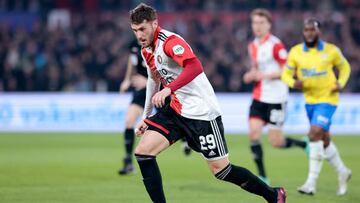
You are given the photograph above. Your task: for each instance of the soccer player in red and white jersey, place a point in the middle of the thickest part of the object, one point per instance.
(193, 110)
(268, 55)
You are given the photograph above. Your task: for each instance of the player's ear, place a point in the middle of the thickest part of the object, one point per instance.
(155, 23)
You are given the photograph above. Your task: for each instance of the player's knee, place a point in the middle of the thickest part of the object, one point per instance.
(316, 133)
(215, 168)
(142, 149)
(277, 142)
(218, 165)
(129, 123)
(255, 135)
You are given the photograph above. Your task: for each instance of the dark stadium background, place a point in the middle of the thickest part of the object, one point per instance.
(88, 51)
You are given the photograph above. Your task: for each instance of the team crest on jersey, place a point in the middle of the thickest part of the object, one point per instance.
(282, 53)
(178, 49)
(159, 59)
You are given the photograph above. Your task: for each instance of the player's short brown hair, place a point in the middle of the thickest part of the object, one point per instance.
(142, 12)
(263, 13)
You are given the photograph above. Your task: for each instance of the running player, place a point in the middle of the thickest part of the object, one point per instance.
(193, 110)
(268, 55)
(312, 61)
(136, 76)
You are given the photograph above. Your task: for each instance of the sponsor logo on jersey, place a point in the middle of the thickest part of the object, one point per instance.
(311, 72)
(178, 49)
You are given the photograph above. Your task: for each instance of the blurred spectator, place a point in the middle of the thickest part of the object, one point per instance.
(89, 53)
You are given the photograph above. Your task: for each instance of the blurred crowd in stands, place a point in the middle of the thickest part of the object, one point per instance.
(85, 46)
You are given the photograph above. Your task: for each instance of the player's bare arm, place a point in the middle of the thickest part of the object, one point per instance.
(138, 81)
(337, 87)
(250, 76)
(299, 84)
(126, 82)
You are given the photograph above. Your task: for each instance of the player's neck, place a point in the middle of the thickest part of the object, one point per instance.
(263, 38)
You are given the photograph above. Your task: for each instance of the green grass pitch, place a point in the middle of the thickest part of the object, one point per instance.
(79, 167)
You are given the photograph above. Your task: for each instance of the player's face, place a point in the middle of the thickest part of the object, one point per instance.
(144, 32)
(311, 33)
(260, 26)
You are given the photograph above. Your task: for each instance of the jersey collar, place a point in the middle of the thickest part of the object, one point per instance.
(320, 46)
(265, 39)
(156, 35)
(151, 48)
(259, 41)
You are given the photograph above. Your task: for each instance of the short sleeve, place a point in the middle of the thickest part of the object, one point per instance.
(338, 57)
(291, 60)
(177, 49)
(280, 54)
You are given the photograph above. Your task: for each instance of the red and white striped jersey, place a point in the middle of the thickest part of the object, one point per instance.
(269, 55)
(165, 61)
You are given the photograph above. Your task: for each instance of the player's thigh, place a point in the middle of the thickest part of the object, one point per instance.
(276, 115)
(257, 119)
(322, 116)
(133, 113)
(275, 136)
(216, 166)
(206, 137)
(151, 143)
(255, 127)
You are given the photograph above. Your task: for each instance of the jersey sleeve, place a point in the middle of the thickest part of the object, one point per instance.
(287, 75)
(343, 66)
(280, 53)
(177, 49)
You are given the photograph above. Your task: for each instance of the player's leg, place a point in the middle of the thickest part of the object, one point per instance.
(257, 120)
(316, 157)
(277, 139)
(332, 155)
(161, 132)
(214, 149)
(318, 123)
(224, 170)
(150, 145)
(276, 119)
(133, 113)
(255, 126)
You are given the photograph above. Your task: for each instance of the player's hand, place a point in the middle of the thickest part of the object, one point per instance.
(337, 88)
(259, 76)
(159, 98)
(249, 76)
(299, 84)
(140, 129)
(124, 85)
(138, 81)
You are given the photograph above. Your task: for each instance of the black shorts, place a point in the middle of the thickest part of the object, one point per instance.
(139, 97)
(206, 137)
(273, 114)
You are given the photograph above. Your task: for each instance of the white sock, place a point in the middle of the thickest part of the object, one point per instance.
(315, 161)
(332, 155)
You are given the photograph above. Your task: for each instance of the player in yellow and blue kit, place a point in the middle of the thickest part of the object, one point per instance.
(312, 63)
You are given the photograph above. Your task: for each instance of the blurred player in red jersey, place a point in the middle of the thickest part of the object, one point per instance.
(268, 55)
(192, 110)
